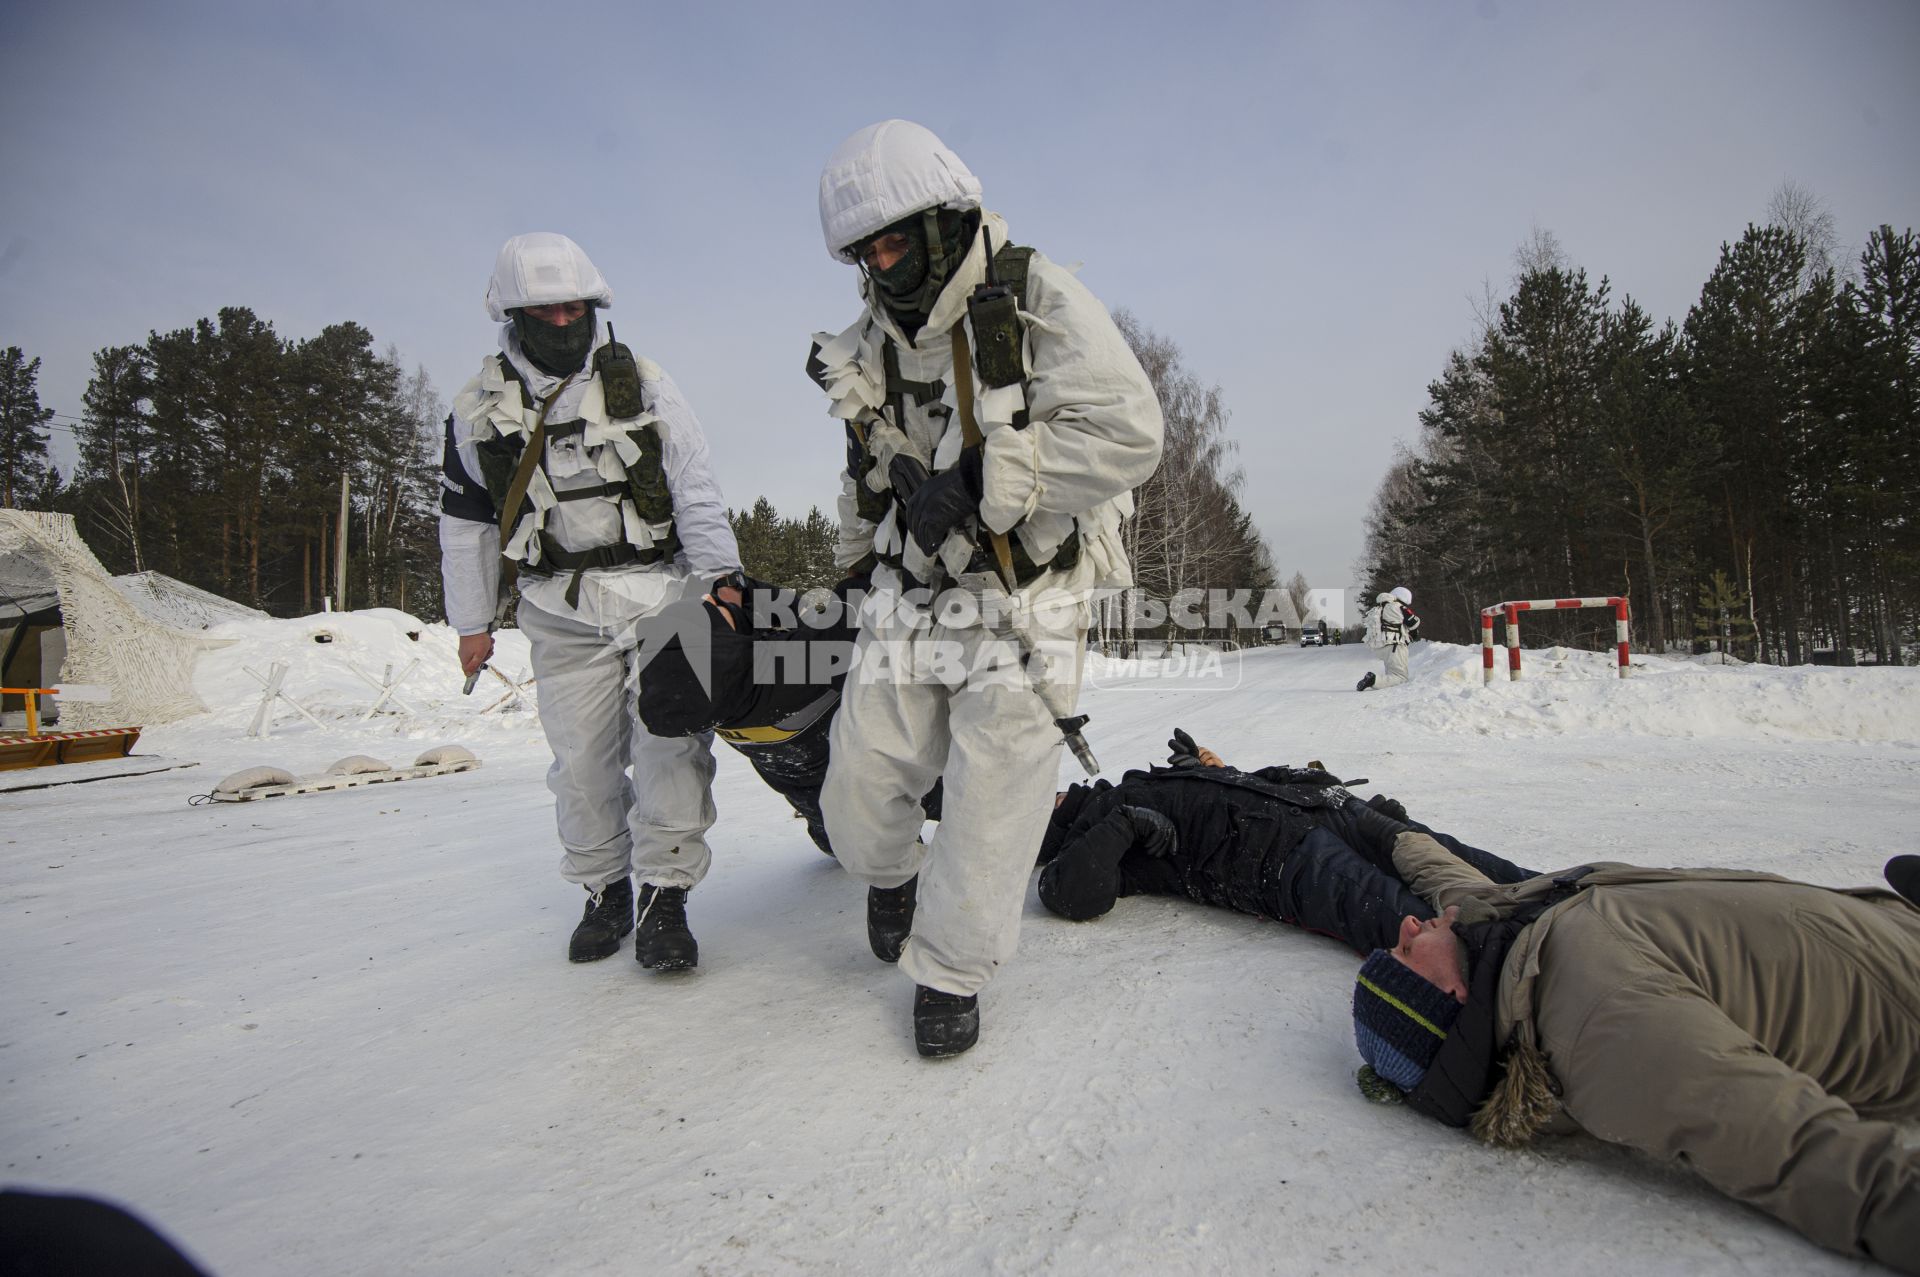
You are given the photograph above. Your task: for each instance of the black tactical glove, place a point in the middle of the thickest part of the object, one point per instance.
(1152, 833)
(906, 474)
(1392, 806)
(738, 608)
(1375, 829)
(936, 505)
(1183, 751)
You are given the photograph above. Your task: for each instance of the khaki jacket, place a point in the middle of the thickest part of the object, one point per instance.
(1763, 1031)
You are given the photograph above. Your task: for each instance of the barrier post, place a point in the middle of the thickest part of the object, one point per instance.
(1511, 610)
(31, 695)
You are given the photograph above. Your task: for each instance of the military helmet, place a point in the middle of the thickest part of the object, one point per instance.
(540, 268)
(881, 175)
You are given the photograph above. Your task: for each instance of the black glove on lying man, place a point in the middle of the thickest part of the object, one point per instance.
(1083, 881)
(1183, 751)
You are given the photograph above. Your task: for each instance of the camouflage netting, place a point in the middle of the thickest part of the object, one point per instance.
(146, 666)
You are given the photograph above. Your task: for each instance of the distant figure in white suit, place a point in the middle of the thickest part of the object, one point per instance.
(1392, 629)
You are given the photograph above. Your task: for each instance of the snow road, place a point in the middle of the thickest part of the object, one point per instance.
(337, 1034)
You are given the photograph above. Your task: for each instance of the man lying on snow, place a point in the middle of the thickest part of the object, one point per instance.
(773, 687)
(1281, 842)
(1763, 1031)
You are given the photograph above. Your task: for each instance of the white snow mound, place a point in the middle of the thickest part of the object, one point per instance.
(1563, 690)
(322, 653)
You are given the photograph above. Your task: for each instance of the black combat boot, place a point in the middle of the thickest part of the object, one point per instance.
(605, 924)
(890, 918)
(1903, 875)
(1364, 683)
(663, 942)
(944, 1023)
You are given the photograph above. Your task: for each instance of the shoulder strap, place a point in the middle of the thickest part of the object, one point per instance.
(1010, 268)
(529, 458)
(970, 437)
(1309, 791)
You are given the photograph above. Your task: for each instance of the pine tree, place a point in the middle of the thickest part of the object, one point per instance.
(757, 532)
(1748, 337)
(1542, 364)
(1722, 614)
(115, 438)
(1881, 317)
(815, 536)
(1772, 439)
(1660, 455)
(23, 431)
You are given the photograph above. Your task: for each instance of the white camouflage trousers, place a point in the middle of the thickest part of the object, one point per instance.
(654, 824)
(949, 702)
(1393, 661)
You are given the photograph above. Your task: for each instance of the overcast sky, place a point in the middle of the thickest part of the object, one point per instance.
(1308, 198)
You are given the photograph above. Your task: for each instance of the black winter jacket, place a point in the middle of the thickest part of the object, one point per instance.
(1275, 843)
(771, 694)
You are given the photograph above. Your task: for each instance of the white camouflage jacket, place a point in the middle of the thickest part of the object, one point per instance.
(1094, 429)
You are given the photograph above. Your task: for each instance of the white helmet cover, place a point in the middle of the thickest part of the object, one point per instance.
(881, 174)
(539, 268)
(1402, 593)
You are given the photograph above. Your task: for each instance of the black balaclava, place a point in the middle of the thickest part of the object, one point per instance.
(937, 238)
(552, 349)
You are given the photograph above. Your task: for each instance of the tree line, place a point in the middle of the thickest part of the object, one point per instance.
(1190, 530)
(1747, 476)
(214, 454)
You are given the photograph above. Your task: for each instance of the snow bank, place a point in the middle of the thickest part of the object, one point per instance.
(1571, 691)
(1564, 691)
(330, 658)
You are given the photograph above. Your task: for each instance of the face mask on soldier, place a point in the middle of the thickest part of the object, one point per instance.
(555, 349)
(902, 262)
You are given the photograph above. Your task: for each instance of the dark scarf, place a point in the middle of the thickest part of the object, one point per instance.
(554, 350)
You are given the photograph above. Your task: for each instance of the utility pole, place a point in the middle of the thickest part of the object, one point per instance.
(340, 550)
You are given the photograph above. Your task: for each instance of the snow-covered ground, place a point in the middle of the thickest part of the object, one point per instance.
(337, 1034)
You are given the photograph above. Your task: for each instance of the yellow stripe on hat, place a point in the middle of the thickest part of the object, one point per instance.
(1404, 1009)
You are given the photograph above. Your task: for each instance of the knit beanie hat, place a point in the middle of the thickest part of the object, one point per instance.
(1400, 1019)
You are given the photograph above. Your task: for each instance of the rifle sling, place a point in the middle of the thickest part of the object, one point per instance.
(522, 476)
(970, 437)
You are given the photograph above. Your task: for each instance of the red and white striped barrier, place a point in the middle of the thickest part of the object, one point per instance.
(1512, 610)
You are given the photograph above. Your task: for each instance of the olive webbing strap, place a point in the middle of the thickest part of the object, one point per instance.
(970, 437)
(522, 476)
